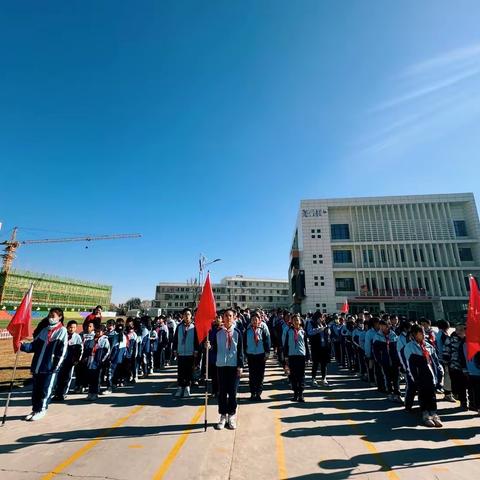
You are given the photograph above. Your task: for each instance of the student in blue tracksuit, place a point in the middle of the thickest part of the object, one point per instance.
(185, 348)
(425, 370)
(74, 353)
(319, 335)
(358, 339)
(118, 349)
(130, 359)
(99, 351)
(297, 354)
(81, 371)
(454, 359)
(375, 376)
(472, 370)
(385, 353)
(49, 349)
(402, 340)
(228, 345)
(257, 348)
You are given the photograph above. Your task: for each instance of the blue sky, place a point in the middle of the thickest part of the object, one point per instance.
(202, 125)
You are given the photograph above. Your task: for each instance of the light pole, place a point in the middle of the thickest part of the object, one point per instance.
(202, 263)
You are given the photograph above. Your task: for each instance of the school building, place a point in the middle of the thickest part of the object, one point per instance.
(409, 255)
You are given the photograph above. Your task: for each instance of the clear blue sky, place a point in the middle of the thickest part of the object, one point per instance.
(202, 124)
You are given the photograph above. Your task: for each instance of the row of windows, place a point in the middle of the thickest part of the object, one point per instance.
(345, 256)
(341, 231)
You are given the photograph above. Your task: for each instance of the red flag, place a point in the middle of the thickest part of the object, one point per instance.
(473, 320)
(345, 307)
(20, 325)
(206, 312)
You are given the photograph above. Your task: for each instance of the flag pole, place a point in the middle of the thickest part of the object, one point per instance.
(11, 388)
(207, 345)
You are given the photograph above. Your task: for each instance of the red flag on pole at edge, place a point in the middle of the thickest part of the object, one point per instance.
(20, 325)
(206, 311)
(473, 320)
(345, 307)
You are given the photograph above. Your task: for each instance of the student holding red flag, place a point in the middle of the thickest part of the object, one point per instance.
(20, 326)
(472, 346)
(48, 348)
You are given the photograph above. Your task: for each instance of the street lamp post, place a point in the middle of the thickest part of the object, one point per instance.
(202, 263)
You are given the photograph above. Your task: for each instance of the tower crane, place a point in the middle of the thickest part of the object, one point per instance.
(12, 244)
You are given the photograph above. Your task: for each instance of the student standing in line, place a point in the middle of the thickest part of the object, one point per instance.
(424, 367)
(74, 353)
(99, 353)
(228, 345)
(49, 349)
(130, 359)
(320, 342)
(297, 354)
(257, 348)
(454, 359)
(185, 348)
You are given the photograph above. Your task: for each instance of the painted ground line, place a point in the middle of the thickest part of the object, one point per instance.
(160, 473)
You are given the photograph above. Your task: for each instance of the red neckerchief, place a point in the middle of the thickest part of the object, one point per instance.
(431, 337)
(425, 352)
(95, 345)
(387, 339)
(185, 333)
(255, 335)
(53, 330)
(295, 335)
(229, 338)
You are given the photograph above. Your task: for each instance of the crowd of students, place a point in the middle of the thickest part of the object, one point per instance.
(383, 351)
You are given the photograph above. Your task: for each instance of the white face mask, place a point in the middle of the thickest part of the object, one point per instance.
(52, 321)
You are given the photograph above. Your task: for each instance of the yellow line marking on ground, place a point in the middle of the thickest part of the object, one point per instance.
(282, 467)
(87, 447)
(178, 446)
(373, 450)
(465, 446)
(135, 446)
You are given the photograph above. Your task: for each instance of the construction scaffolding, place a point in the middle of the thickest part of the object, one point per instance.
(52, 291)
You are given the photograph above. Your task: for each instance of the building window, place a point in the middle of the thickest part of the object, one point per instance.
(313, 230)
(316, 284)
(383, 255)
(434, 250)
(320, 261)
(460, 228)
(440, 283)
(345, 284)
(427, 284)
(324, 305)
(367, 256)
(315, 278)
(314, 261)
(319, 236)
(322, 278)
(317, 305)
(415, 256)
(314, 256)
(340, 231)
(313, 236)
(318, 230)
(407, 284)
(465, 254)
(422, 257)
(322, 284)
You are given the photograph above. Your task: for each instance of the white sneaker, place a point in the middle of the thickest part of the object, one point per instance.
(106, 392)
(179, 392)
(221, 423)
(186, 393)
(314, 382)
(38, 415)
(29, 416)
(232, 422)
(427, 419)
(324, 382)
(436, 420)
(398, 399)
(449, 398)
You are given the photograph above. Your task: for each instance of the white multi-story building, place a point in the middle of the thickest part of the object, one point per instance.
(409, 255)
(238, 290)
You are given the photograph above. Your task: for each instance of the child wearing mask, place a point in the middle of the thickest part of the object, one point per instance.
(49, 348)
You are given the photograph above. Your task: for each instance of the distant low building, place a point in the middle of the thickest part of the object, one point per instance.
(51, 291)
(237, 290)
